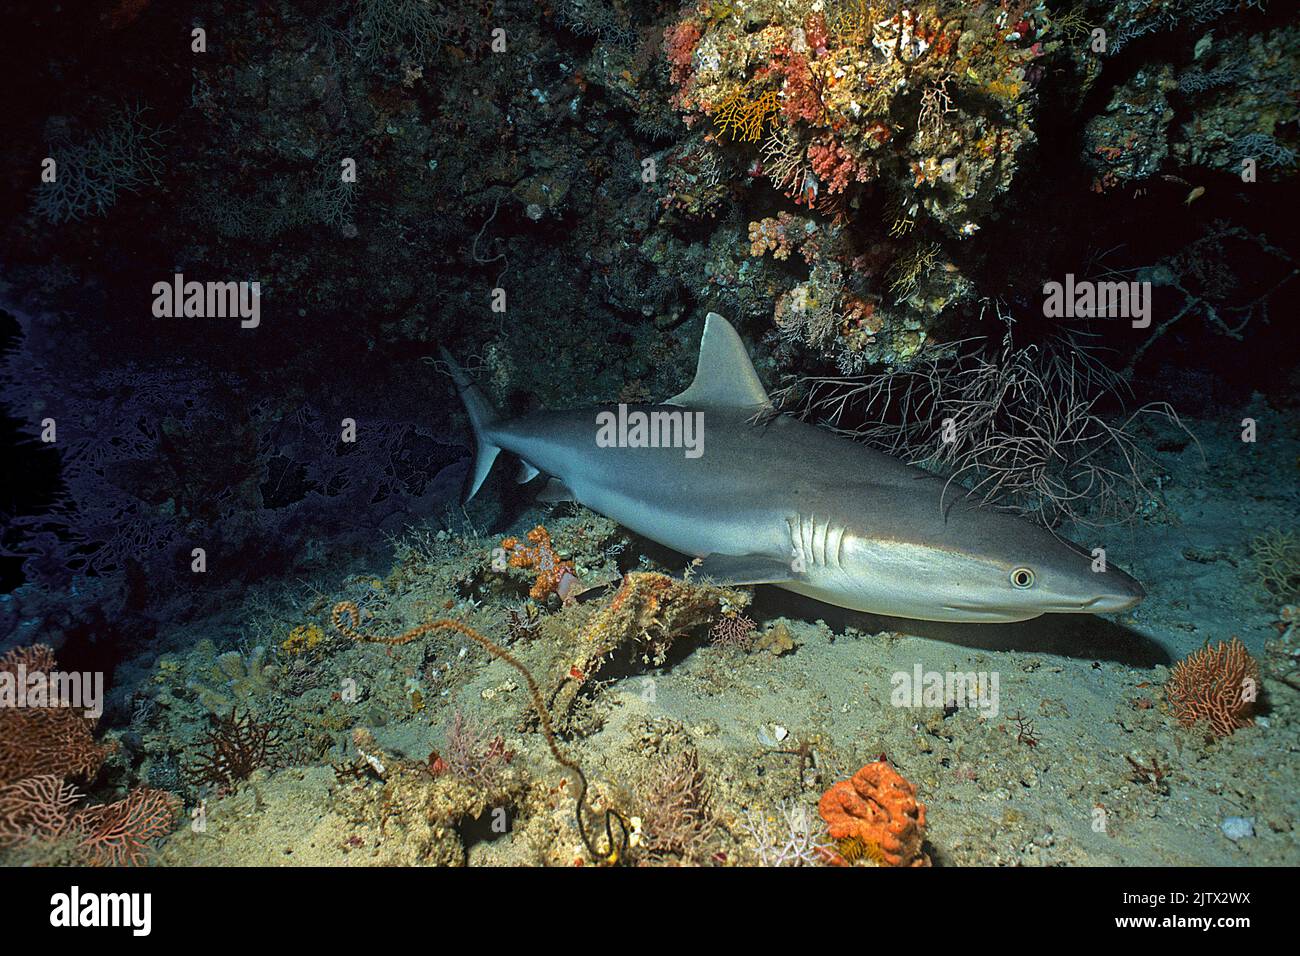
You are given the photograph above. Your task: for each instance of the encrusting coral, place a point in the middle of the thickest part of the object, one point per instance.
(1215, 684)
(874, 815)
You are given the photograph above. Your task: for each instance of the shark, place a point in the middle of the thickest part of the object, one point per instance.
(758, 498)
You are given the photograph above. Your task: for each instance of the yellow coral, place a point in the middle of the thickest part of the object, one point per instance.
(743, 116)
(304, 637)
(855, 849)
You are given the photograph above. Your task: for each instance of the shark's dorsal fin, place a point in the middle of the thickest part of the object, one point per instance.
(724, 375)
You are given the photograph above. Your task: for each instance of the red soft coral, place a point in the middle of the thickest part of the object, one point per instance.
(680, 41)
(801, 97)
(835, 165)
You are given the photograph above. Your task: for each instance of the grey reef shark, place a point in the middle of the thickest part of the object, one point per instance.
(763, 499)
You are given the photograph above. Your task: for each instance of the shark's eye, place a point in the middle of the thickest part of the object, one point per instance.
(1022, 578)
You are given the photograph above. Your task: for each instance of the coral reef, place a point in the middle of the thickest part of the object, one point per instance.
(875, 815)
(1218, 685)
(864, 91)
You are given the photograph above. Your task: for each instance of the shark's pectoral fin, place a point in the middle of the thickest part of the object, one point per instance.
(745, 569)
(555, 490)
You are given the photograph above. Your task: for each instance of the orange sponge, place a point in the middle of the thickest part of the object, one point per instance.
(875, 815)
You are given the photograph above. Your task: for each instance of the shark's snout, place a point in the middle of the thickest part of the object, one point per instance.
(1119, 592)
(1127, 594)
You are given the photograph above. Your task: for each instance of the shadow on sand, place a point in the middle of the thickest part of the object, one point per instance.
(1080, 636)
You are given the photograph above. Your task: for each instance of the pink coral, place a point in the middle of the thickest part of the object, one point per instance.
(835, 165)
(801, 94)
(680, 41)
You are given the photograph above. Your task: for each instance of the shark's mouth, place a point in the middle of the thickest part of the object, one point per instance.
(1102, 604)
(991, 613)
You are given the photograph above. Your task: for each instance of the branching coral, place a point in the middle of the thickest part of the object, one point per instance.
(1021, 426)
(734, 631)
(677, 817)
(42, 745)
(1277, 564)
(472, 753)
(235, 747)
(796, 839)
(906, 274)
(37, 808)
(119, 834)
(122, 157)
(110, 834)
(742, 115)
(875, 815)
(413, 28)
(1218, 685)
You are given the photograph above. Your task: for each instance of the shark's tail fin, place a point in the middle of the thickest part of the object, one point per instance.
(481, 417)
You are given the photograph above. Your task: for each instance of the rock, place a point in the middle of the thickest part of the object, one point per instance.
(1238, 828)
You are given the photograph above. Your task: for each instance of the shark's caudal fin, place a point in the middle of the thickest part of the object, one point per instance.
(724, 375)
(481, 417)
